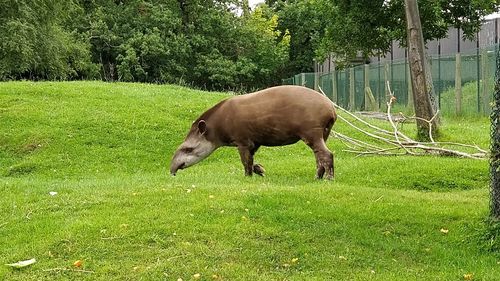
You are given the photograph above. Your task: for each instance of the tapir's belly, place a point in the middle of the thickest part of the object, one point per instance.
(278, 142)
(263, 139)
(266, 134)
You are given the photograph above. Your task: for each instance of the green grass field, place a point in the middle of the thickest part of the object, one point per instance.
(105, 150)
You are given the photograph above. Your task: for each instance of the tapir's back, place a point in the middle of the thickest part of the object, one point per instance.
(283, 101)
(277, 115)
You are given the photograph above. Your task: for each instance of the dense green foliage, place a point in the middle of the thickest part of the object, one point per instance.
(207, 44)
(105, 148)
(201, 43)
(35, 44)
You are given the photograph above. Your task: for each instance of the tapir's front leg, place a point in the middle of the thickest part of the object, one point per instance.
(246, 158)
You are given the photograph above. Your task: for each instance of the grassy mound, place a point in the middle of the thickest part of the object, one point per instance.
(105, 148)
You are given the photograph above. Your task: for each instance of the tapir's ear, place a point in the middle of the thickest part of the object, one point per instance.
(202, 127)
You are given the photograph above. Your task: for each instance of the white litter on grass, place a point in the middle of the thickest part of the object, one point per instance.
(53, 193)
(21, 264)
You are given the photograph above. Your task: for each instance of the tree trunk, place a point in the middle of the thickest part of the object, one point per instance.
(421, 88)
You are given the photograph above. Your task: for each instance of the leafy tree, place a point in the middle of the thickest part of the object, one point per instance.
(355, 26)
(35, 45)
(303, 22)
(264, 47)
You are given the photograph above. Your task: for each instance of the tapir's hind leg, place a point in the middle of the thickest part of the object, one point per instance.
(324, 158)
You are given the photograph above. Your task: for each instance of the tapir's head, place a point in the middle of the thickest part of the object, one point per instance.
(195, 148)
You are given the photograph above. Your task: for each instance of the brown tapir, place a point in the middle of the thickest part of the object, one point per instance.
(272, 117)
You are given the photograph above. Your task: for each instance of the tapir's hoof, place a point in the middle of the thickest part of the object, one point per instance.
(259, 170)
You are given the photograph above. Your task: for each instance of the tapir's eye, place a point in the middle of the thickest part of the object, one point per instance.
(187, 149)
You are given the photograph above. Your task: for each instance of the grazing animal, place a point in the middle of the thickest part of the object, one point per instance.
(275, 116)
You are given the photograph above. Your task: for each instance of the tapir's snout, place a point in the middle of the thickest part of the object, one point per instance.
(173, 170)
(175, 166)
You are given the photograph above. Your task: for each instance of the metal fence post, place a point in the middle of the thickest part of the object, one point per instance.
(386, 78)
(316, 81)
(439, 78)
(352, 92)
(379, 89)
(458, 84)
(366, 87)
(334, 86)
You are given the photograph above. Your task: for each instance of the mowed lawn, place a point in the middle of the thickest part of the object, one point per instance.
(105, 149)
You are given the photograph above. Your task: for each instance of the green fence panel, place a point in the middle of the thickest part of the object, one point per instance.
(309, 80)
(477, 76)
(399, 86)
(325, 82)
(343, 88)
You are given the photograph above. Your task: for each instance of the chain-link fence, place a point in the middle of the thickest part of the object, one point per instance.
(463, 83)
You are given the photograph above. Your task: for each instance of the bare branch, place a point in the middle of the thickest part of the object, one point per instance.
(399, 143)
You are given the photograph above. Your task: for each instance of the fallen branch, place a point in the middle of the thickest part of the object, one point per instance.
(385, 142)
(381, 116)
(396, 134)
(359, 119)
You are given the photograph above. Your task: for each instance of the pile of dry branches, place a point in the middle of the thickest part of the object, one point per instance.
(393, 142)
